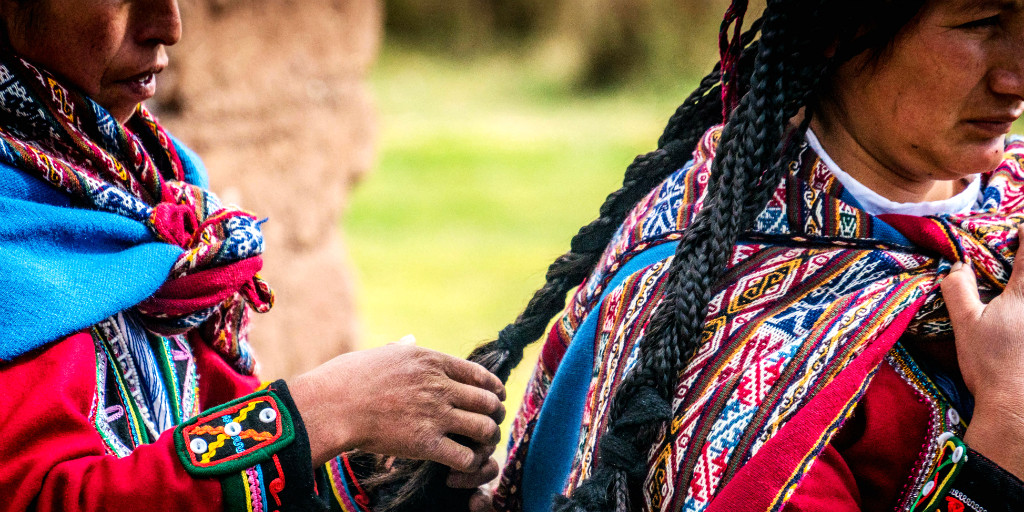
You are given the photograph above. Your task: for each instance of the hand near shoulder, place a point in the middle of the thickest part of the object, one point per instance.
(404, 401)
(990, 350)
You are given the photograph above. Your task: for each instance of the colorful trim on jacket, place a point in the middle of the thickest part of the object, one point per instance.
(122, 408)
(256, 445)
(945, 423)
(267, 465)
(965, 480)
(349, 495)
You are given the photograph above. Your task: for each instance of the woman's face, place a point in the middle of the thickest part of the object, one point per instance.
(110, 49)
(939, 103)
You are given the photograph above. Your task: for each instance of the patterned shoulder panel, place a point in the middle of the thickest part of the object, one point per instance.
(234, 436)
(658, 218)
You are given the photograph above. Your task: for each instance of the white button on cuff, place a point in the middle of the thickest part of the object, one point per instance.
(953, 417)
(958, 454)
(233, 429)
(946, 436)
(928, 488)
(198, 446)
(268, 415)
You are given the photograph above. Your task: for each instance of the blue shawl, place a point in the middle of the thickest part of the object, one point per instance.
(63, 269)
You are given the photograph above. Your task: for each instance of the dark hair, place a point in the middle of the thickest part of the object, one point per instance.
(776, 68)
(27, 18)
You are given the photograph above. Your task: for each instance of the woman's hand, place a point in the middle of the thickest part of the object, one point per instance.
(990, 350)
(404, 401)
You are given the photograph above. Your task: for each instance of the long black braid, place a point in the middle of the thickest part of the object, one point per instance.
(777, 76)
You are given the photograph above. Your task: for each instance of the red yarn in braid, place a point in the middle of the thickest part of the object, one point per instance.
(730, 52)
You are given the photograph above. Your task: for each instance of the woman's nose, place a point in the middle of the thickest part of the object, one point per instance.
(1006, 77)
(158, 22)
(1008, 81)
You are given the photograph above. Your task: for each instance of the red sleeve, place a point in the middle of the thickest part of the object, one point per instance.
(219, 383)
(829, 485)
(54, 459)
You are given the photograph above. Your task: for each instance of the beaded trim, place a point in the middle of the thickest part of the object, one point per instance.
(948, 461)
(944, 419)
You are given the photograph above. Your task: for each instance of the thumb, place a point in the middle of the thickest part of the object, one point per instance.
(960, 291)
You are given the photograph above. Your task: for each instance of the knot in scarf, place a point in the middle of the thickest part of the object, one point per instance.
(64, 138)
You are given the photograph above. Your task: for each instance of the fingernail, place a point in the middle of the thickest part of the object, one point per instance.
(407, 340)
(957, 266)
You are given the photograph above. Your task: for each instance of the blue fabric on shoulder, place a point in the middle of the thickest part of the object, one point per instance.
(63, 269)
(195, 170)
(553, 443)
(879, 229)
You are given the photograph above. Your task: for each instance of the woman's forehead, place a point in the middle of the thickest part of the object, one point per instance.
(971, 6)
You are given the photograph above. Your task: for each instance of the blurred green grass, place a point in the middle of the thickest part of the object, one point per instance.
(486, 169)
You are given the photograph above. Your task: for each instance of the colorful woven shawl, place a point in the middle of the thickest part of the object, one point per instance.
(65, 139)
(814, 300)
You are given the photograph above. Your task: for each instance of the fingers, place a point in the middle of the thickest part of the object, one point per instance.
(960, 291)
(460, 480)
(482, 501)
(478, 427)
(472, 399)
(456, 456)
(475, 375)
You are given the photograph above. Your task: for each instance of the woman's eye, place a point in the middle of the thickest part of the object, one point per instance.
(991, 21)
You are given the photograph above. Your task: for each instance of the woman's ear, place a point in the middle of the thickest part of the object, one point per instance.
(14, 17)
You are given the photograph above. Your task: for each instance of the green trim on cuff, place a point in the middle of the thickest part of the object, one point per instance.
(232, 488)
(948, 462)
(237, 435)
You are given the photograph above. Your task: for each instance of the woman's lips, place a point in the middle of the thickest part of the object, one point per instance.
(140, 87)
(994, 127)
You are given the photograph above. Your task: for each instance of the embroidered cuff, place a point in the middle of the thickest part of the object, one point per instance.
(236, 435)
(965, 481)
(258, 447)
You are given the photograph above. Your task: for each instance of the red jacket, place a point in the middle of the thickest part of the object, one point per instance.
(54, 458)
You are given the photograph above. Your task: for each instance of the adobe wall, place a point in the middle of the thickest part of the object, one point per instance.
(273, 96)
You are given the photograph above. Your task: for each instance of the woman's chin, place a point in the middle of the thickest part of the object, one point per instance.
(122, 106)
(122, 113)
(979, 157)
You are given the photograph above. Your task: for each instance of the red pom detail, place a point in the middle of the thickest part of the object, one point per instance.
(954, 505)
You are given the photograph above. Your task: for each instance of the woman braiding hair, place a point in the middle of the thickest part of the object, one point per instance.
(632, 445)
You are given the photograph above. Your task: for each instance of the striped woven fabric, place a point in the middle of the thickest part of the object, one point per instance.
(813, 301)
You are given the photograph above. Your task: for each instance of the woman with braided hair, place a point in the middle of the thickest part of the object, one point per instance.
(126, 381)
(807, 299)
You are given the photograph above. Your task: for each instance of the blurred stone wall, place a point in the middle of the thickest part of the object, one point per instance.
(273, 95)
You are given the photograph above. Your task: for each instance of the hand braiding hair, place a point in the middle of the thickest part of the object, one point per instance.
(775, 76)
